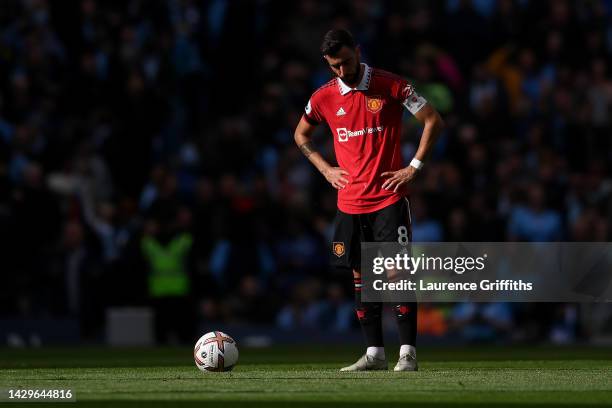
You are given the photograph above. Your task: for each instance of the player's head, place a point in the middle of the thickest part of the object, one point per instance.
(342, 55)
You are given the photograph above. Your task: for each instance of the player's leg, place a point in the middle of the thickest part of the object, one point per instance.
(370, 319)
(392, 224)
(346, 250)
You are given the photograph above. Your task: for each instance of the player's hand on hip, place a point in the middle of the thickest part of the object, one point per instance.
(398, 179)
(337, 177)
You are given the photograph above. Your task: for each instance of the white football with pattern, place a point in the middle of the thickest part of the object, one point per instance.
(214, 352)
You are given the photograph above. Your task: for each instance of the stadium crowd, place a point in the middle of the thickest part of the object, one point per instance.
(142, 135)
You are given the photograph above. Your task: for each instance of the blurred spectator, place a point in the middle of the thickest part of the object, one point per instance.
(534, 222)
(424, 229)
(250, 304)
(169, 281)
(431, 321)
(476, 322)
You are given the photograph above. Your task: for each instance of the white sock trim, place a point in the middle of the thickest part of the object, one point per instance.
(376, 352)
(407, 349)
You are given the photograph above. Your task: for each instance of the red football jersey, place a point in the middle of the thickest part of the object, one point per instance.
(366, 123)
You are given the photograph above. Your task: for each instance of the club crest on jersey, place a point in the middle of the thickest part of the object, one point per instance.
(338, 248)
(374, 103)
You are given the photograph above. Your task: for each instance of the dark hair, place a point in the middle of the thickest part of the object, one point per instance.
(334, 40)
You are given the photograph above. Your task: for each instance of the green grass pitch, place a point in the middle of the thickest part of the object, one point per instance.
(308, 376)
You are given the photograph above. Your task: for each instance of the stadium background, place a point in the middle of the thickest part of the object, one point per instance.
(126, 124)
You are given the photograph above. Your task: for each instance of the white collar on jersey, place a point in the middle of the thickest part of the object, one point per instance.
(363, 85)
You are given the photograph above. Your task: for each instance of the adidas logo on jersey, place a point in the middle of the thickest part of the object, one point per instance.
(340, 112)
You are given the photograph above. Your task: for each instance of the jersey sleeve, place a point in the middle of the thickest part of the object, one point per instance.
(404, 93)
(312, 112)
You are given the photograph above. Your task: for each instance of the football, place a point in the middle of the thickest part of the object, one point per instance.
(215, 351)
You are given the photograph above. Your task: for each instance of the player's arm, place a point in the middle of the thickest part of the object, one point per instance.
(433, 125)
(336, 176)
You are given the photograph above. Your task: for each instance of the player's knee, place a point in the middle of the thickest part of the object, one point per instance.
(369, 312)
(404, 311)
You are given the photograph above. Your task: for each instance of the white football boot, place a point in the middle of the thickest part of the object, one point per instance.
(367, 363)
(407, 362)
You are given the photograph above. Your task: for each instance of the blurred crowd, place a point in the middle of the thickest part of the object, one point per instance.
(141, 135)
